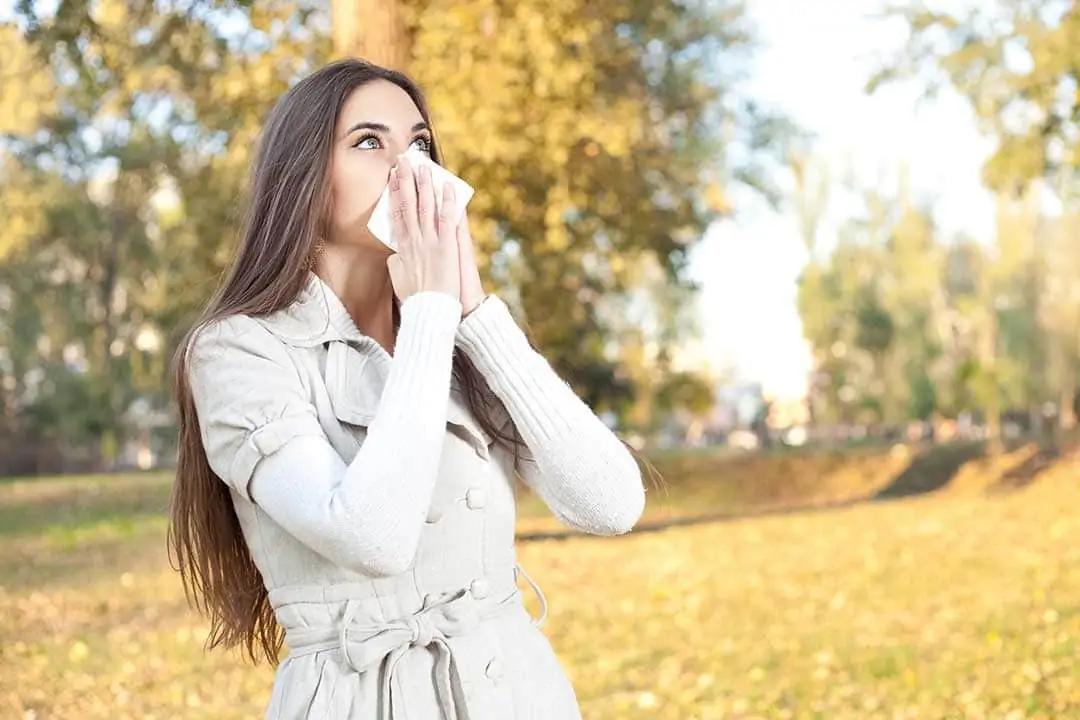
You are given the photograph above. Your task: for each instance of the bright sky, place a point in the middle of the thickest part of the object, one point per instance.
(815, 60)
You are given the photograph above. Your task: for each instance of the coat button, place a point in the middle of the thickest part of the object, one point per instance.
(494, 669)
(434, 514)
(476, 498)
(480, 588)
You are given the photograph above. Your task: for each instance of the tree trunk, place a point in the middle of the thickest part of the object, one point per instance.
(1066, 409)
(373, 30)
(994, 446)
(109, 441)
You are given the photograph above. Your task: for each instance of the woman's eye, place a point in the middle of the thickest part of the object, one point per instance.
(368, 143)
(423, 144)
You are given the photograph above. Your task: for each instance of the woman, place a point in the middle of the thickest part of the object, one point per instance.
(351, 421)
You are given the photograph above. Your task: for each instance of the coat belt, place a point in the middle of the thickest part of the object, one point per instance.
(381, 647)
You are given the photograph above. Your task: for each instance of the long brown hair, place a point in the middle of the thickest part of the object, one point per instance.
(288, 208)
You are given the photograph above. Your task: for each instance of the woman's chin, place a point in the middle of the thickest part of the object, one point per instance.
(373, 244)
(363, 243)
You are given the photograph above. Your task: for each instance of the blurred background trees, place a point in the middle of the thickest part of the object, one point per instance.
(604, 138)
(591, 129)
(943, 326)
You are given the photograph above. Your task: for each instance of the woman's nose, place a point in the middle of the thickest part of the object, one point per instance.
(393, 154)
(390, 161)
(396, 147)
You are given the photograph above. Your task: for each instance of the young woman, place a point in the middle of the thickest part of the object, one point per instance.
(351, 424)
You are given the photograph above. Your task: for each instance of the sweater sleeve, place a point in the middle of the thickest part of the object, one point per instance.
(262, 437)
(578, 467)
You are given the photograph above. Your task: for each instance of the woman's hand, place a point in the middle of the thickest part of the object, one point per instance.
(472, 290)
(427, 256)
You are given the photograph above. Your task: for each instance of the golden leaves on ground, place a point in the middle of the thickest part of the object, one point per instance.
(950, 606)
(933, 608)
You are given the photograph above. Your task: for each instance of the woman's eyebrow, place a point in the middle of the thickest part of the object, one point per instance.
(379, 127)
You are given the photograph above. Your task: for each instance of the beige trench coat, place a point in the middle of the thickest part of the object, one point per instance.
(450, 638)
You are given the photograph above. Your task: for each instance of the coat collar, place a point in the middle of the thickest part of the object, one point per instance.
(315, 317)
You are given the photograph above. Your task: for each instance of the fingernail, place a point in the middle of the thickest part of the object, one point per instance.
(448, 191)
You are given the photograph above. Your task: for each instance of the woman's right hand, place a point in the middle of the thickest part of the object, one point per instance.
(427, 254)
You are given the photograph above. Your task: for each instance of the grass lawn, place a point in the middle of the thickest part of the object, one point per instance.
(946, 605)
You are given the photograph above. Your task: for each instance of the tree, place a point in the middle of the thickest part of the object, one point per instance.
(592, 130)
(1059, 309)
(1016, 64)
(142, 98)
(887, 314)
(373, 29)
(810, 199)
(592, 133)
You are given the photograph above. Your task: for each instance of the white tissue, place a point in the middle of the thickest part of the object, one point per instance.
(380, 223)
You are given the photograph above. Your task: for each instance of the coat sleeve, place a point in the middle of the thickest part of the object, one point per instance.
(262, 437)
(576, 464)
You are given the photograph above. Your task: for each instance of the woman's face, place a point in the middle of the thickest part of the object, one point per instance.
(378, 122)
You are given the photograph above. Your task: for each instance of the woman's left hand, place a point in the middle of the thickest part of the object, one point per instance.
(472, 290)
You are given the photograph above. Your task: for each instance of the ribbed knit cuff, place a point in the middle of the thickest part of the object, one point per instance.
(423, 353)
(521, 377)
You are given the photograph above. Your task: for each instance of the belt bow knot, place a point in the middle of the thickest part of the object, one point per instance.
(367, 647)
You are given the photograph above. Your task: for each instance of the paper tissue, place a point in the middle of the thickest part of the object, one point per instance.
(381, 221)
